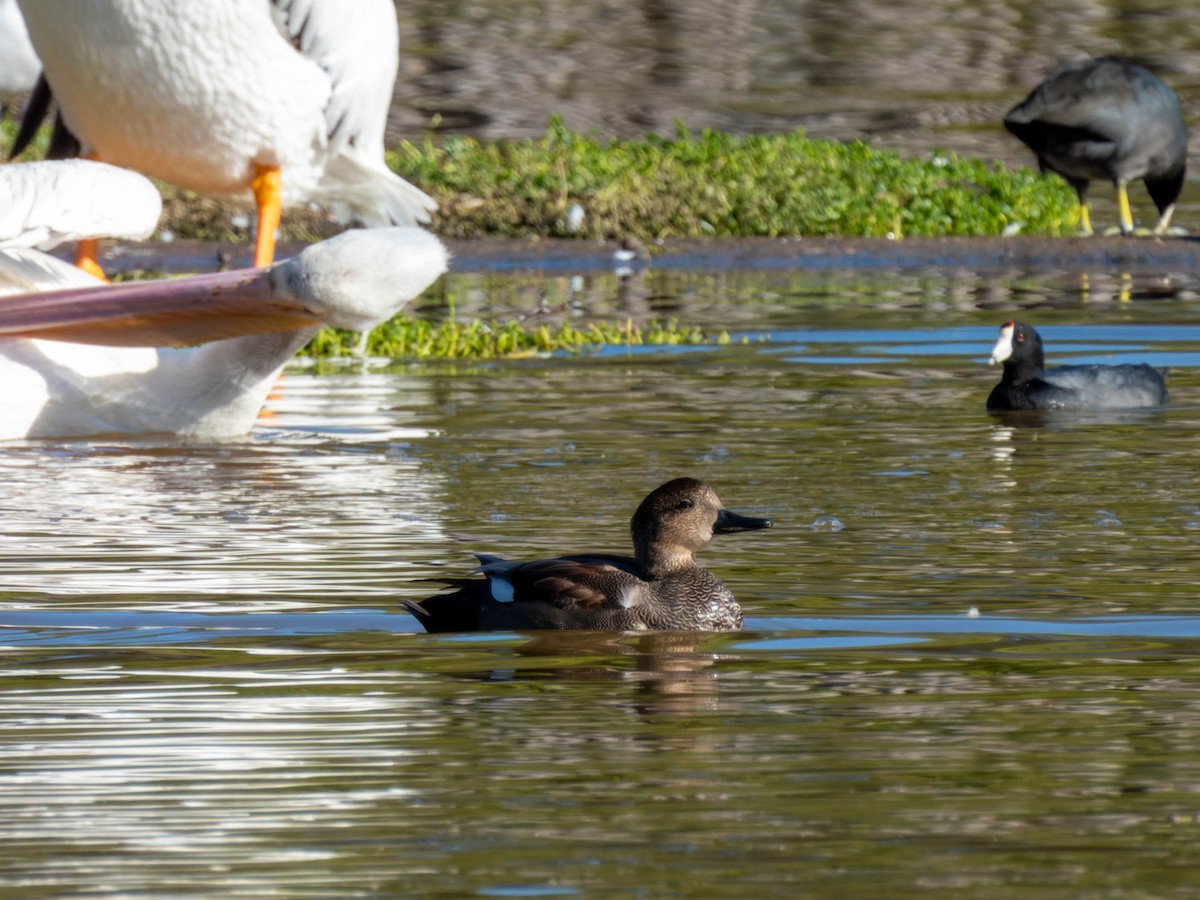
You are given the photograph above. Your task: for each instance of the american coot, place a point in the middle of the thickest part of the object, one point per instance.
(1110, 119)
(1028, 384)
(661, 587)
(280, 102)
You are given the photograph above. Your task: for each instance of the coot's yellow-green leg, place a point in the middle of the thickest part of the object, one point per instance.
(1164, 220)
(1123, 205)
(1085, 216)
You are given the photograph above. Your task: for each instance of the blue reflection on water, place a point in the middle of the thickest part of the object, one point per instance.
(93, 628)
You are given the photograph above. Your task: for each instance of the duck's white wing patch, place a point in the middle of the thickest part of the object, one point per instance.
(502, 589)
(496, 570)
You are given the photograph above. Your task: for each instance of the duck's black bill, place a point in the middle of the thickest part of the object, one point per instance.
(730, 522)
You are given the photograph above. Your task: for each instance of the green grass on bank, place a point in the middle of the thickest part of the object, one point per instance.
(714, 184)
(707, 184)
(406, 338)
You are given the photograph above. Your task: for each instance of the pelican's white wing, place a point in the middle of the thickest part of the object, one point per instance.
(24, 271)
(43, 204)
(361, 55)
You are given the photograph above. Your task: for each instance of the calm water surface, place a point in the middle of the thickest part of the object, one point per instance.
(210, 688)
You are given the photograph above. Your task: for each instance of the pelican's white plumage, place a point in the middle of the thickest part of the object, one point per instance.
(24, 270)
(44, 204)
(55, 386)
(207, 95)
(19, 64)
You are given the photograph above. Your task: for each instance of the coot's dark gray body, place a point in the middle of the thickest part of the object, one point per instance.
(1107, 119)
(1028, 384)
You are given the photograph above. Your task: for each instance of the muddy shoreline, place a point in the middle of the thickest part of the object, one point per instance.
(569, 257)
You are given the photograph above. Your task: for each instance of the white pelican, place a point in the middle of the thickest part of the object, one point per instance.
(284, 101)
(44, 204)
(19, 65)
(115, 359)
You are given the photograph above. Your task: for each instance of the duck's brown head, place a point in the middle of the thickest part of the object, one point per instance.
(679, 518)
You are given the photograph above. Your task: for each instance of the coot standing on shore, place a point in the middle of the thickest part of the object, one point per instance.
(1107, 119)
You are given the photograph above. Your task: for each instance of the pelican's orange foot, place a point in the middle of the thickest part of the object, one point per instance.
(85, 258)
(267, 186)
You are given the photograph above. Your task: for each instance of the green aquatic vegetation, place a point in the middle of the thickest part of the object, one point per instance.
(404, 337)
(713, 184)
(704, 184)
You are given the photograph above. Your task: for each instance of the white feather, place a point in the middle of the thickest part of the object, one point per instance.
(24, 271)
(19, 65)
(631, 596)
(45, 204)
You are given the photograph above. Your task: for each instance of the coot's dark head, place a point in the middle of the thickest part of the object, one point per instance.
(1020, 349)
(679, 518)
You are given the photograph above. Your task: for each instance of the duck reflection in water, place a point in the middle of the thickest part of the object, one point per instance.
(660, 588)
(654, 674)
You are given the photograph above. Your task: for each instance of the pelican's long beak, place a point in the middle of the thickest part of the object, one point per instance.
(1003, 349)
(176, 312)
(355, 280)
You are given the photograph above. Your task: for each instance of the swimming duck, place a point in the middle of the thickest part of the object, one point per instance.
(283, 101)
(1112, 119)
(661, 587)
(1028, 384)
(108, 359)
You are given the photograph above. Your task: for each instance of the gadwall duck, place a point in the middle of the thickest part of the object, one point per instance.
(1028, 384)
(1107, 119)
(660, 588)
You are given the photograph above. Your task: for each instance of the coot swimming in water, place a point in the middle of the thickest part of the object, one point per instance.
(1028, 384)
(1107, 119)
